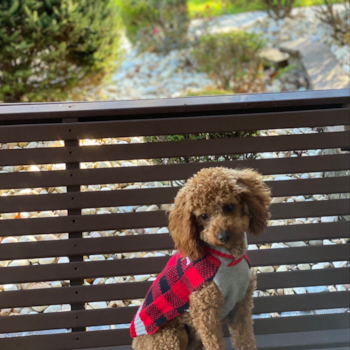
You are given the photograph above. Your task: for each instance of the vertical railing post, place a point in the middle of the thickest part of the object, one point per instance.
(74, 235)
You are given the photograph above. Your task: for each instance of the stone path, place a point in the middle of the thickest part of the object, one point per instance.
(321, 66)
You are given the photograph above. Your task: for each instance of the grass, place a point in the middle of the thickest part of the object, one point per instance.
(207, 8)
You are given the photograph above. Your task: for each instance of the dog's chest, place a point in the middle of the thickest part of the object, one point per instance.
(233, 283)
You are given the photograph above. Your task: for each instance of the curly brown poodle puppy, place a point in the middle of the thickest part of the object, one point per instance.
(209, 280)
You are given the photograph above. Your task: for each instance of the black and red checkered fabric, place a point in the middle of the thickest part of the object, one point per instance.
(169, 294)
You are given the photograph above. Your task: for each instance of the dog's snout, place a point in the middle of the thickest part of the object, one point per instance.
(224, 236)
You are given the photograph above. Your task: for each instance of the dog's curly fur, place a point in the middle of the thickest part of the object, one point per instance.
(213, 201)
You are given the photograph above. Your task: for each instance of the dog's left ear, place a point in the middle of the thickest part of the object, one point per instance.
(256, 197)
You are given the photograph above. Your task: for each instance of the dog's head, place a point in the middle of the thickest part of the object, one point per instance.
(218, 206)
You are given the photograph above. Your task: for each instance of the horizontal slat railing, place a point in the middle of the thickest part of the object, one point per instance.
(172, 126)
(83, 223)
(175, 149)
(151, 242)
(141, 266)
(138, 290)
(168, 117)
(168, 172)
(78, 200)
(82, 340)
(124, 315)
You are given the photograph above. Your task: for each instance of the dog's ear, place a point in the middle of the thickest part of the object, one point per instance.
(183, 228)
(256, 199)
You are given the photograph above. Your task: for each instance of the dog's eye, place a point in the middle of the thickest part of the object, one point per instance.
(229, 208)
(205, 217)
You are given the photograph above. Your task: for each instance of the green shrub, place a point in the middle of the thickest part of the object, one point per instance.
(278, 9)
(202, 136)
(234, 62)
(339, 21)
(49, 47)
(158, 25)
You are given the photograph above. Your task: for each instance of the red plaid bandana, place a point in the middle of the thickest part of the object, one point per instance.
(170, 293)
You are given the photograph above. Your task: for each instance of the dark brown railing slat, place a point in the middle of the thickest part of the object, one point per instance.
(151, 242)
(124, 315)
(172, 126)
(138, 290)
(176, 149)
(83, 223)
(141, 266)
(81, 340)
(168, 172)
(103, 199)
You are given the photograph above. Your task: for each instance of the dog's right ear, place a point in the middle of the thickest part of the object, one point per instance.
(183, 228)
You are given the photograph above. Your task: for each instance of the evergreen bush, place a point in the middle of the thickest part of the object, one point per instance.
(49, 47)
(156, 25)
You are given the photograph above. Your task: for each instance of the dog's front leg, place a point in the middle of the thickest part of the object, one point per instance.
(240, 322)
(205, 309)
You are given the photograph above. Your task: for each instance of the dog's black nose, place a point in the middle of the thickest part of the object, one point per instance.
(224, 236)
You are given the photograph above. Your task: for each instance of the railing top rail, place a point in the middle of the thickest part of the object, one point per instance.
(186, 105)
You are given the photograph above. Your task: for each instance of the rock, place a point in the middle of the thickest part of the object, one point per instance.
(300, 290)
(152, 208)
(266, 269)
(282, 268)
(21, 262)
(4, 263)
(45, 214)
(49, 238)
(27, 239)
(98, 305)
(329, 219)
(304, 267)
(141, 209)
(328, 242)
(278, 200)
(63, 260)
(46, 261)
(33, 168)
(163, 230)
(296, 244)
(317, 289)
(340, 288)
(53, 308)
(276, 246)
(141, 278)
(283, 178)
(10, 287)
(300, 199)
(5, 312)
(339, 264)
(98, 257)
(288, 291)
(253, 247)
(135, 140)
(315, 242)
(318, 267)
(9, 216)
(24, 215)
(101, 165)
(56, 284)
(9, 240)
